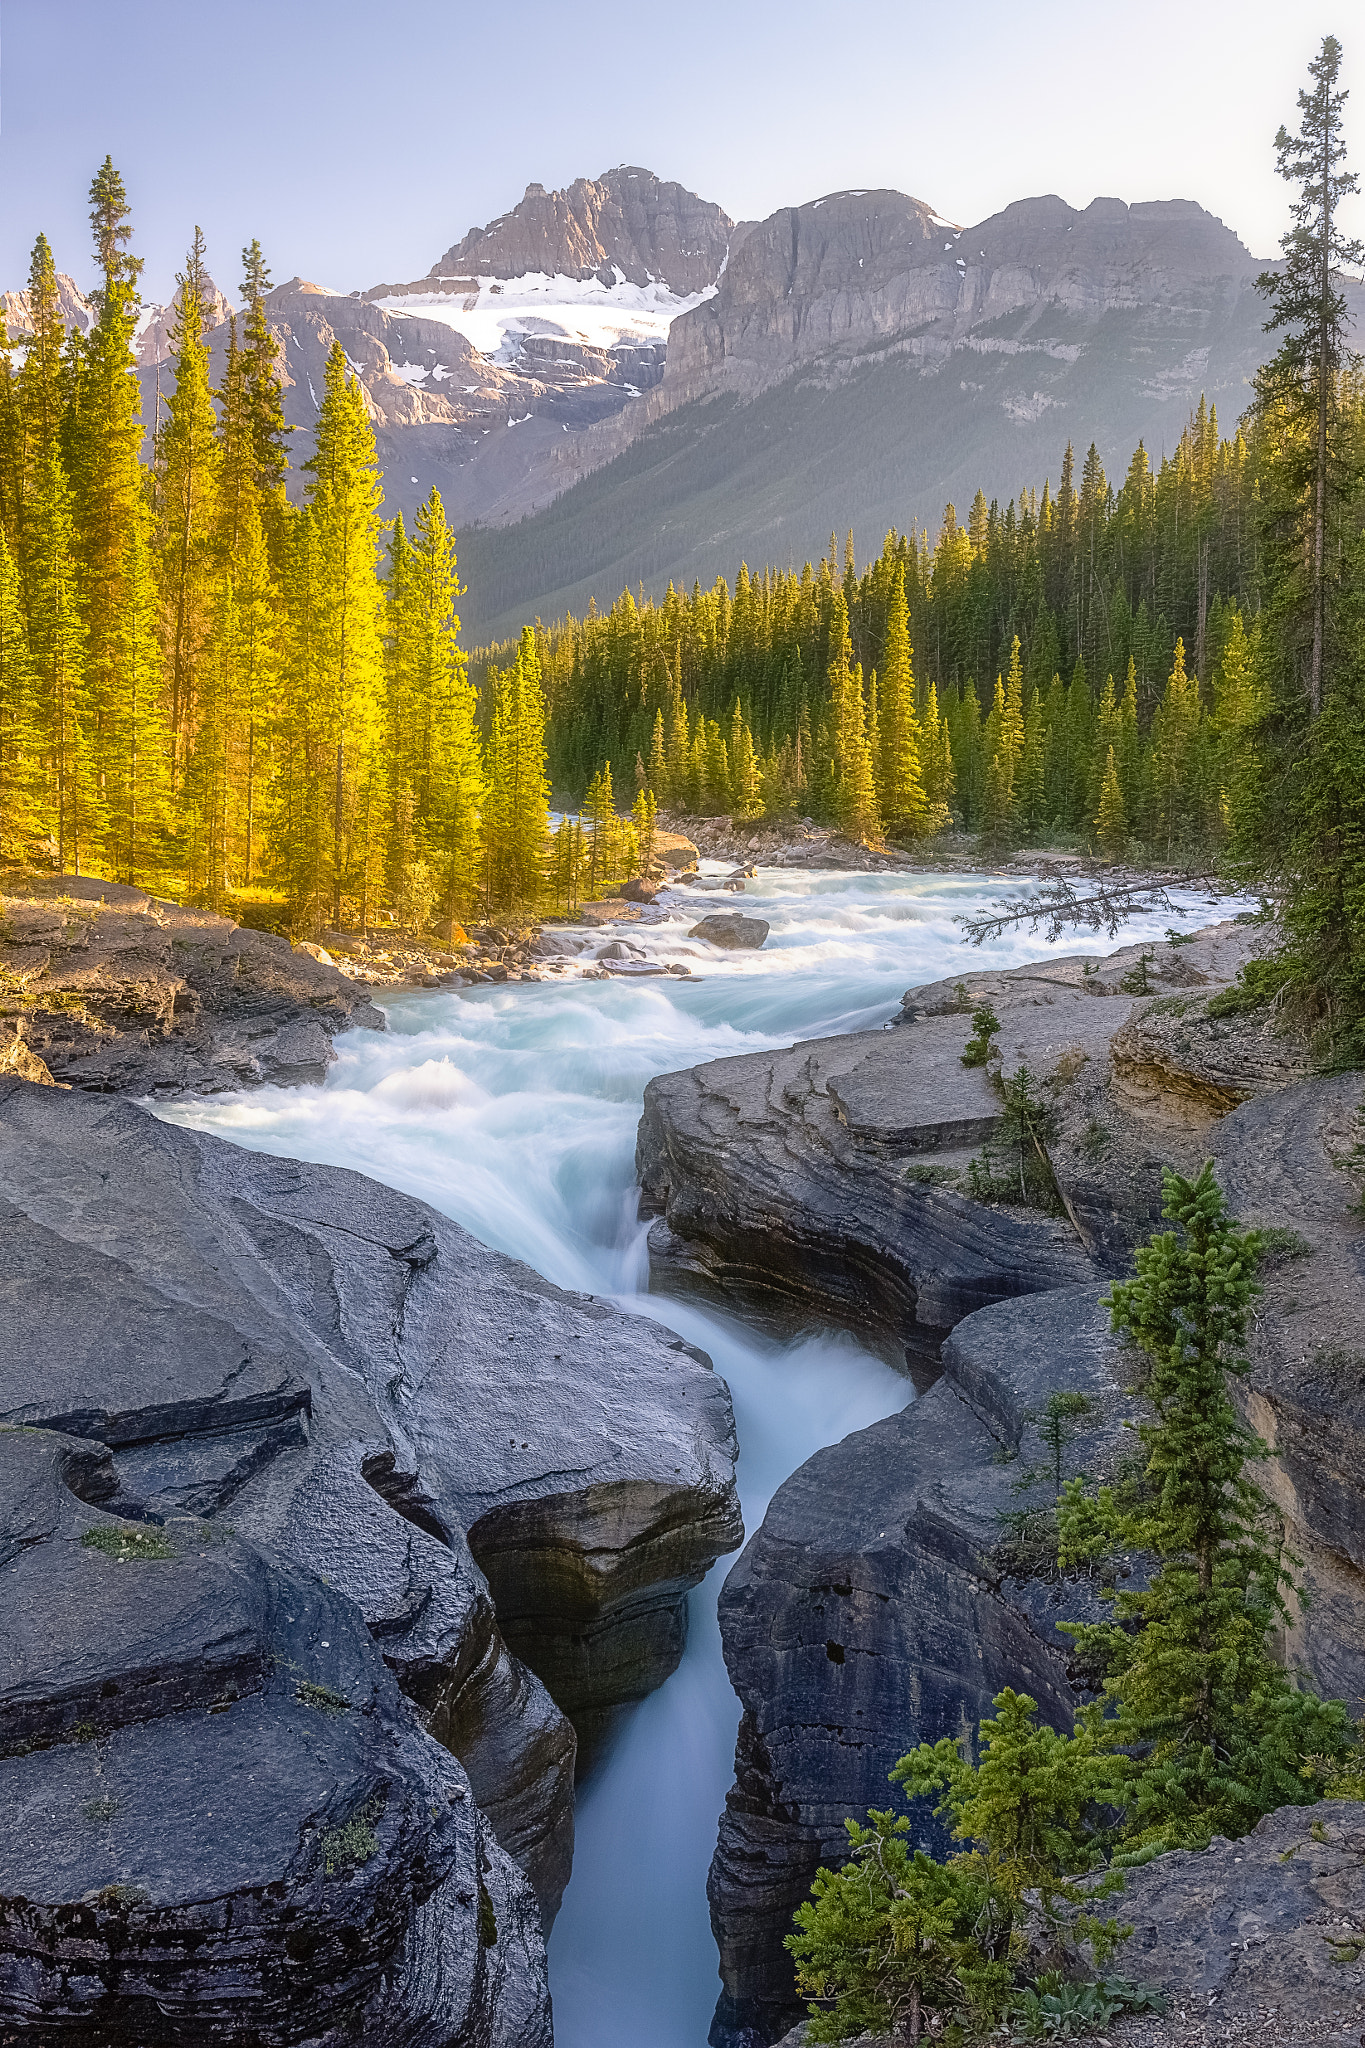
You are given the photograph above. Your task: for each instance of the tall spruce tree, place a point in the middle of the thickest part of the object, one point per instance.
(1220, 1732)
(345, 497)
(20, 806)
(189, 459)
(42, 382)
(902, 787)
(109, 502)
(56, 633)
(263, 400)
(135, 753)
(1298, 813)
(434, 735)
(1308, 299)
(855, 790)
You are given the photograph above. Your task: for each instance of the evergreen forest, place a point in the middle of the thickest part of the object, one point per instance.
(246, 689)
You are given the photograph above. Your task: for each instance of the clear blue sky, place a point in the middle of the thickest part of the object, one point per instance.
(359, 141)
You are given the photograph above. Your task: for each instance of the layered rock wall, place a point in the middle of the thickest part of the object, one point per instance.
(349, 1382)
(885, 1598)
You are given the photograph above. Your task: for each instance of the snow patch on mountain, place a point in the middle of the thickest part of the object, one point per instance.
(501, 311)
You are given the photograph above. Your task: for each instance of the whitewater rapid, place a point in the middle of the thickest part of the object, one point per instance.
(513, 1109)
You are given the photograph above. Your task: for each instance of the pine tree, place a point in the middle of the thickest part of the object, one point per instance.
(297, 828)
(188, 458)
(533, 797)
(600, 811)
(57, 650)
(1220, 1731)
(137, 784)
(1031, 778)
(105, 437)
(1175, 732)
(263, 405)
(1307, 297)
(715, 769)
(745, 799)
(41, 393)
(855, 793)
(208, 766)
(433, 744)
(344, 503)
(20, 811)
(656, 768)
(940, 779)
(236, 468)
(11, 444)
(1111, 823)
(904, 803)
(642, 817)
(259, 608)
(1297, 809)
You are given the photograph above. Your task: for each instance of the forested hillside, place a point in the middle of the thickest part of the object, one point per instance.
(247, 689)
(1087, 651)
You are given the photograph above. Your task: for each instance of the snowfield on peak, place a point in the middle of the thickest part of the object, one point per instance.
(580, 310)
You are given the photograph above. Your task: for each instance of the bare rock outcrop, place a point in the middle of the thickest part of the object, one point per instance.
(840, 1168)
(1290, 1162)
(358, 1382)
(863, 268)
(878, 1607)
(627, 220)
(871, 1173)
(224, 1818)
(1278, 1915)
(109, 989)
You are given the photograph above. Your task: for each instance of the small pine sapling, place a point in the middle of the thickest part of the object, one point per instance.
(1222, 1731)
(985, 1024)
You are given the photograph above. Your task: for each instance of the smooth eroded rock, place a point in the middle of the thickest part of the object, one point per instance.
(874, 1609)
(358, 1382)
(224, 1819)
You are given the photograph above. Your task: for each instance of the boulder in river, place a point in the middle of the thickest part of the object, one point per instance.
(732, 930)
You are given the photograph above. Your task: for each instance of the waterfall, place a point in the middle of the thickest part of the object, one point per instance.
(513, 1109)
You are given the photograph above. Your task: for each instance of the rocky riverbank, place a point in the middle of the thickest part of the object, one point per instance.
(463, 1510)
(108, 988)
(893, 1586)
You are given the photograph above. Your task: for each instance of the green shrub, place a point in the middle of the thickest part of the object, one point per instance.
(1054, 2009)
(347, 1847)
(321, 1698)
(1016, 1167)
(985, 1024)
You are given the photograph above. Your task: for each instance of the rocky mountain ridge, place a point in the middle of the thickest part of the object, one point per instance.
(616, 382)
(628, 221)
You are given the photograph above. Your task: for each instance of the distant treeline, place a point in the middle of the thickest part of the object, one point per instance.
(989, 676)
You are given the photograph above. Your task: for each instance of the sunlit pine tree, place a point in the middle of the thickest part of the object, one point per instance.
(345, 496)
(188, 458)
(21, 812)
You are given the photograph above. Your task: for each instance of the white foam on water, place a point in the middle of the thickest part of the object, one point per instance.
(514, 1110)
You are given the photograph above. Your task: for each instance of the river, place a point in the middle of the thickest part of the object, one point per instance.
(513, 1109)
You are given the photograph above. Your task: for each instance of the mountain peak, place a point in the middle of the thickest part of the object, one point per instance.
(627, 221)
